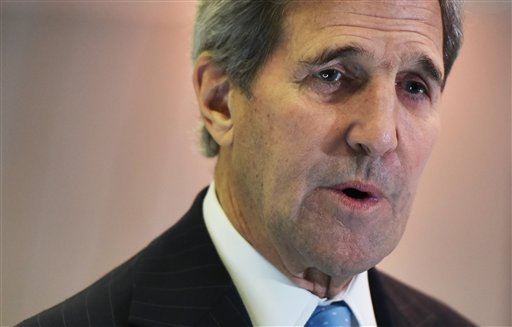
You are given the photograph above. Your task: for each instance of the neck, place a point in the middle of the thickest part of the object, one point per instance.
(309, 278)
(320, 284)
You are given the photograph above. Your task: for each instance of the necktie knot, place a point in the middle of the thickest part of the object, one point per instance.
(335, 314)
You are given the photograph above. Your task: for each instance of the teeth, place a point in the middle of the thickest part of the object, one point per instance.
(355, 193)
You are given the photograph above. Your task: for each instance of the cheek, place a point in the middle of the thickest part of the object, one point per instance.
(292, 130)
(266, 145)
(289, 153)
(419, 143)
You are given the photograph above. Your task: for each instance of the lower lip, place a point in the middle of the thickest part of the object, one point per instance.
(356, 204)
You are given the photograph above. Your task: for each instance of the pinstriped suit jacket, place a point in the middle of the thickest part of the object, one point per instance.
(179, 280)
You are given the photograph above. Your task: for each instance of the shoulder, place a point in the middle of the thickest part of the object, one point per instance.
(107, 302)
(397, 304)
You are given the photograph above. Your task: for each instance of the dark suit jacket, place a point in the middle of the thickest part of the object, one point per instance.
(179, 280)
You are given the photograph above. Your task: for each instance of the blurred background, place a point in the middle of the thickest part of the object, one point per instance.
(99, 154)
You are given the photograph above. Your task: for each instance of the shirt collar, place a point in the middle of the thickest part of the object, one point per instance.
(268, 295)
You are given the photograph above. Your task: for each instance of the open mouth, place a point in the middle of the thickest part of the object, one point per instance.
(356, 194)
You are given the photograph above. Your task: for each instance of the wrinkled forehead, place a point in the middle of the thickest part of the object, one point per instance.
(382, 25)
(428, 11)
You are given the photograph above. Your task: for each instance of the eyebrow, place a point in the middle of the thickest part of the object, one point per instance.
(427, 65)
(337, 53)
(423, 62)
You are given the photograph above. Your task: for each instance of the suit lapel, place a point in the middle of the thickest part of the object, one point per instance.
(180, 279)
(396, 304)
(229, 311)
(386, 312)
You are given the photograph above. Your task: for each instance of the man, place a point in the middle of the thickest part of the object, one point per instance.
(323, 115)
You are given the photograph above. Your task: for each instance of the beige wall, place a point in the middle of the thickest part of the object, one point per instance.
(458, 243)
(98, 154)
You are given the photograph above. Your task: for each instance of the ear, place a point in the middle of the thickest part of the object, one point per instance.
(212, 89)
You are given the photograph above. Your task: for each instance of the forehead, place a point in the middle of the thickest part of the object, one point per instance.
(390, 30)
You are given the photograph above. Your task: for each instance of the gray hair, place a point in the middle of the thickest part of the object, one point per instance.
(240, 35)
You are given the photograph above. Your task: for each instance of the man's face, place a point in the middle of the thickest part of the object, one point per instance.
(327, 152)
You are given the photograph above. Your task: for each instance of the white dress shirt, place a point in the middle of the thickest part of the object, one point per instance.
(270, 298)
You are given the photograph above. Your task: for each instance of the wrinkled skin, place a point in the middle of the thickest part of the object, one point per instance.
(347, 101)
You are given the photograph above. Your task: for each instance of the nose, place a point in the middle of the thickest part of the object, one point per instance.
(374, 128)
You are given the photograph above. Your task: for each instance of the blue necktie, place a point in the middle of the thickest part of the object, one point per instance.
(335, 314)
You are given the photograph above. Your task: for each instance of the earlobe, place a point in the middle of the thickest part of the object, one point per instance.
(212, 89)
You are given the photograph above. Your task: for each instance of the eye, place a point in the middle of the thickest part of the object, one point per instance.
(327, 81)
(329, 75)
(414, 87)
(336, 80)
(413, 90)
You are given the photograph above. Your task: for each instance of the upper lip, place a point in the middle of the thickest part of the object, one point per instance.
(371, 190)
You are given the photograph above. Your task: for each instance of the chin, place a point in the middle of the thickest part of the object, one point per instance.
(353, 258)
